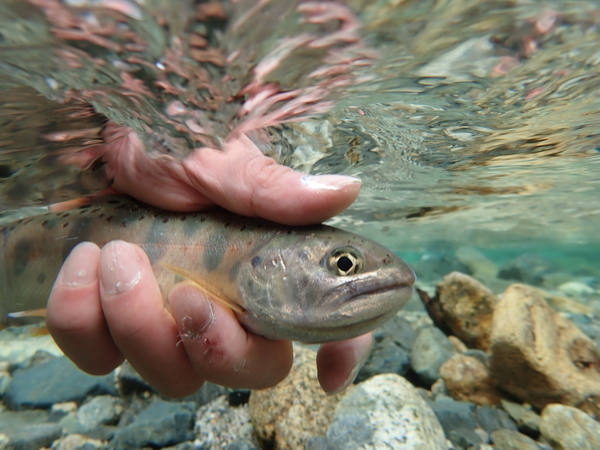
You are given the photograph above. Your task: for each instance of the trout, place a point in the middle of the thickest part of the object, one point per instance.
(312, 284)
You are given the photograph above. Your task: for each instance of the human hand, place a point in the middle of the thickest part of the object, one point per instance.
(106, 305)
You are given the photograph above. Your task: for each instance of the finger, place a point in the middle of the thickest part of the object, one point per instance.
(238, 177)
(74, 314)
(220, 349)
(338, 363)
(139, 323)
(241, 179)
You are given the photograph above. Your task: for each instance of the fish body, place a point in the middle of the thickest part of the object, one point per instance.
(310, 284)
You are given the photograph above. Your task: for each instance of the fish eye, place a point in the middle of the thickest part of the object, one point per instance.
(344, 261)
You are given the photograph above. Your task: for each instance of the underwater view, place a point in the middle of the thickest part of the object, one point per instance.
(474, 129)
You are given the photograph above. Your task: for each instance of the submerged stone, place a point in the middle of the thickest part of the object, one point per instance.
(55, 381)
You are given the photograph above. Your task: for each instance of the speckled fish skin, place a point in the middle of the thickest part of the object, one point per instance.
(311, 284)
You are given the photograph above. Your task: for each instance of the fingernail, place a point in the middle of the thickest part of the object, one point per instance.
(328, 182)
(120, 267)
(192, 311)
(80, 268)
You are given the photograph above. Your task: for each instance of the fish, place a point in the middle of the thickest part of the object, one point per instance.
(312, 284)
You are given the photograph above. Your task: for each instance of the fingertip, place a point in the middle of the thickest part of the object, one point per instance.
(74, 315)
(338, 363)
(221, 350)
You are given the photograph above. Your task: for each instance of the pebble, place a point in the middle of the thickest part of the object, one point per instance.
(78, 442)
(542, 357)
(568, 428)
(527, 421)
(33, 437)
(290, 413)
(491, 419)
(384, 412)
(528, 268)
(100, 410)
(430, 350)
(575, 288)
(479, 265)
(392, 344)
(220, 425)
(54, 381)
(463, 439)
(504, 439)
(466, 308)
(160, 424)
(467, 379)
(454, 415)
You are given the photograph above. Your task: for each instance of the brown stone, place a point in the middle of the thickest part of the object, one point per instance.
(466, 378)
(466, 307)
(296, 409)
(539, 356)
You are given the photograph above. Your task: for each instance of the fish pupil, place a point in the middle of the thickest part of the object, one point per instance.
(344, 264)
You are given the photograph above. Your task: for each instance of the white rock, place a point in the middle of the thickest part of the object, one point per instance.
(568, 428)
(386, 412)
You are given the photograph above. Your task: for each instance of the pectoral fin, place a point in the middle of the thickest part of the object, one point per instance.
(200, 284)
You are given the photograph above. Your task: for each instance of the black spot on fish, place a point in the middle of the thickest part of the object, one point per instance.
(28, 221)
(44, 223)
(141, 217)
(182, 218)
(95, 210)
(256, 261)
(214, 250)
(23, 251)
(113, 202)
(123, 225)
(65, 224)
(243, 228)
(109, 218)
(165, 220)
(65, 215)
(41, 278)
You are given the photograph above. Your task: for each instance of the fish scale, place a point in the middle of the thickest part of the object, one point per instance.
(313, 284)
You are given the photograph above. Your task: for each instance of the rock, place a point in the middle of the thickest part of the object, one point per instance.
(466, 308)
(240, 444)
(454, 415)
(17, 346)
(55, 381)
(430, 350)
(78, 442)
(33, 437)
(539, 356)
(480, 266)
(392, 344)
(385, 411)
(575, 288)
(463, 439)
(467, 379)
(528, 268)
(567, 428)
(100, 410)
(459, 346)
(479, 355)
(504, 439)
(219, 425)
(296, 409)
(158, 425)
(491, 419)
(435, 264)
(5, 380)
(527, 421)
